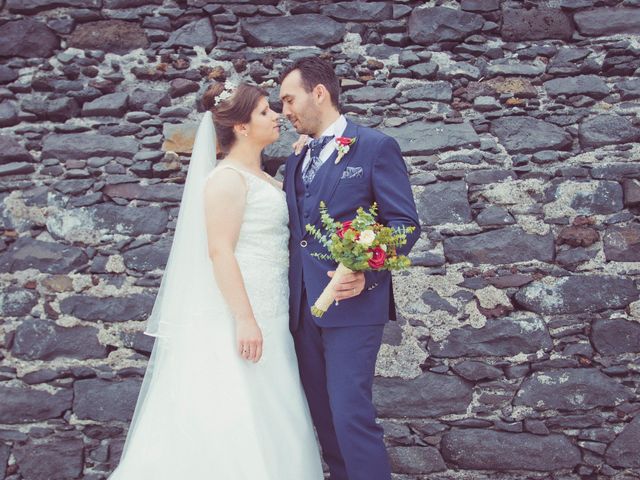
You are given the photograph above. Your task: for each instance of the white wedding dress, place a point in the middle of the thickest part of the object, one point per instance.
(207, 414)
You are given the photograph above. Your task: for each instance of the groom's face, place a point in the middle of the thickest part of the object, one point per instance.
(298, 105)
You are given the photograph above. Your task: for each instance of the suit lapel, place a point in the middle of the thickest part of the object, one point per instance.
(290, 189)
(329, 181)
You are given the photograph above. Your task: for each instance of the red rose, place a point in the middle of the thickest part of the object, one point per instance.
(343, 140)
(378, 258)
(345, 226)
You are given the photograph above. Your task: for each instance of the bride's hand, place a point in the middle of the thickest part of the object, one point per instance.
(299, 144)
(249, 338)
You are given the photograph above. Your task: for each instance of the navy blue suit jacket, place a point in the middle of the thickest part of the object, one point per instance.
(380, 176)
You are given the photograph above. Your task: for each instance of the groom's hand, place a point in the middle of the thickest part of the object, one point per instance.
(350, 285)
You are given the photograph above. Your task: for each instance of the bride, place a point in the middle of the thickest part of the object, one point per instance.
(221, 398)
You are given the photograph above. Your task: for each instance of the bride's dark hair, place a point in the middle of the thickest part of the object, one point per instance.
(231, 111)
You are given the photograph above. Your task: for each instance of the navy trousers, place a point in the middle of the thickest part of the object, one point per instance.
(337, 367)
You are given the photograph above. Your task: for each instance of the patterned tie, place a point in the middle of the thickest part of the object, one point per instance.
(315, 147)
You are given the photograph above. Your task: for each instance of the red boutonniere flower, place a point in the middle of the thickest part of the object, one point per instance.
(343, 144)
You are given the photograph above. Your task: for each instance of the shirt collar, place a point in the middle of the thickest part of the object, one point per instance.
(336, 129)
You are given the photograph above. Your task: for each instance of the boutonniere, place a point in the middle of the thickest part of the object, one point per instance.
(343, 144)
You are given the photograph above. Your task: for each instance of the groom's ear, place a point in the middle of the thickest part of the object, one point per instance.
(321, 94)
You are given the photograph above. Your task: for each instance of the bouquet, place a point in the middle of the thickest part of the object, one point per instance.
(357, 245)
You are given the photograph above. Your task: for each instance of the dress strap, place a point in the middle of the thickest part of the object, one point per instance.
(242, 173)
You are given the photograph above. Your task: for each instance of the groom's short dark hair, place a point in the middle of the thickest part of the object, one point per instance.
(315, 71)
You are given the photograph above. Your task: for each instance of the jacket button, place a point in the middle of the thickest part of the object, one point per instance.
(303, 243)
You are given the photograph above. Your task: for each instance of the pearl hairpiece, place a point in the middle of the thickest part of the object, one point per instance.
(229, 88)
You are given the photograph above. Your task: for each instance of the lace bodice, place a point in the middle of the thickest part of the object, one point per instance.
(262, 250)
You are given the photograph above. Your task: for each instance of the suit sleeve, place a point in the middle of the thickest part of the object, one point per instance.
(392, 192)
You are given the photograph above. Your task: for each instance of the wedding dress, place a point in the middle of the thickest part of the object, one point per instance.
(204, 413)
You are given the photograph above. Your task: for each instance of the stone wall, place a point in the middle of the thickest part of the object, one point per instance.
(516, 355)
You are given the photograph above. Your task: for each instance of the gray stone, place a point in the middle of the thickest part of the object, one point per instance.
(615, 336)
(629, 88)
(148, 257)
(33, 6)
(53, 109)
(128, 220)
(607, 130)
(444, 202)
(437, 91)
(47, 257)
(577, 294)
(105, 401)
(511, 68)
(429, 395)
(480, 5)
(601, 198)
(7, 74)
(44, 340)
(181, 86)
(16, 302)
(85, 145)
(590, 85)
(136, 306)
(521, 134)
(622, 243)
(25, 405)
(494, 215)
(359, 11)
(481, 449)
(473, 370)
(28, 38)
(520, 24)
(441, 24)
(110, 105)
(608, 21)
(623, 451)
(51, 459)
(129, 3)
(8, 114)
(436, 302)
(12, 151)
(159, 192)
(419, 138)
(16, 168)
(141, 96)
(570, 389)
(505, 245)
(115, 36)
(138, 341)
(302, 30)
(195, 34)
(416, 460)
(370, 94)
(5, 453)
(498, 337)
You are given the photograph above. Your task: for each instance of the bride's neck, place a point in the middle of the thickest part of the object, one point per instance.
(245, 154)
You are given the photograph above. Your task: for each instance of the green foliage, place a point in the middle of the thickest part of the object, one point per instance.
(354, 250)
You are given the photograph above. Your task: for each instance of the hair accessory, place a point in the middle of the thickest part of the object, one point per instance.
(229, 89)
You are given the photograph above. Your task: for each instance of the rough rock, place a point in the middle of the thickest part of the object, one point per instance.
(28, 38)
(429, 395)
(44, 340)
(102, 400)
(577, 294)
(480, 449)
(498, 337)
(115, 36)
(108, 309)
(505, 245)
(441, 24)
(24, 405)
(521, 134)
(571, 389)
(305, 29)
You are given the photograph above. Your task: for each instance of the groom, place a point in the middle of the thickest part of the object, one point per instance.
(337, 352)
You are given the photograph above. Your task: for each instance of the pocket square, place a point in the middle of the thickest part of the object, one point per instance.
(352, 172)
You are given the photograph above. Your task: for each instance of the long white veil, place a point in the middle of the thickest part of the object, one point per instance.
(188, 268)
(187, 299)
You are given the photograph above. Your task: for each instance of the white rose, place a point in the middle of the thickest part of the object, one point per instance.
(367, 237)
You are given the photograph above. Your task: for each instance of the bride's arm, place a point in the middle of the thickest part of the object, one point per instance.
(225, 200)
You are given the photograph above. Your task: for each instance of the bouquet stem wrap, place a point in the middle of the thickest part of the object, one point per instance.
(326, 298)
